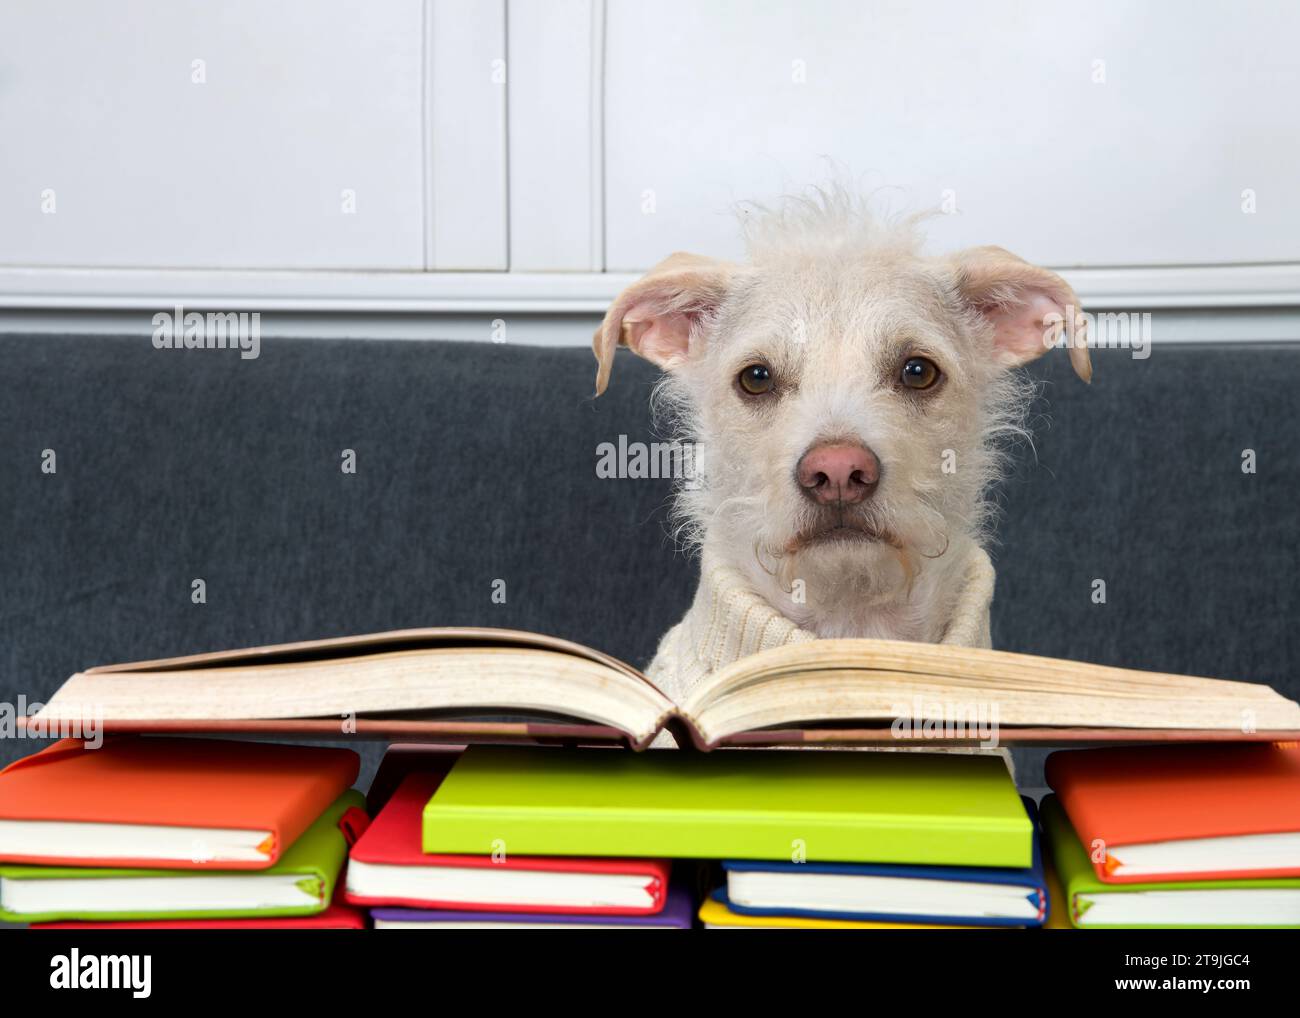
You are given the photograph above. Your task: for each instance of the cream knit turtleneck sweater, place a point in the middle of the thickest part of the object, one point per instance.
(729, 620)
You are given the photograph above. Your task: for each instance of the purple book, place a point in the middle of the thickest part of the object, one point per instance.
(677, 914)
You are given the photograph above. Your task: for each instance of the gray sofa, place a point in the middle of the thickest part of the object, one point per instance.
(477, 463)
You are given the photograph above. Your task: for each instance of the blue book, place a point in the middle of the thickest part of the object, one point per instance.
(944, 895)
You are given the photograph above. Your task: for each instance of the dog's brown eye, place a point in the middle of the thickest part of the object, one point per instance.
(756, 379)
(920, 373)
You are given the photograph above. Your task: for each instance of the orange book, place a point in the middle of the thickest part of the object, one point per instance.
(166, 803)
(1164, 813)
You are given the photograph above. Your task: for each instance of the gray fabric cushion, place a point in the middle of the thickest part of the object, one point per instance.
(1138, 480)
(477, 463)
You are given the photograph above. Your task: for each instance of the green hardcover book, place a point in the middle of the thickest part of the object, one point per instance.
(1265, 903)
(817, 806)
(300, 883)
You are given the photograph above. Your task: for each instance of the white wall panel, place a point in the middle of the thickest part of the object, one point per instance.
(466, 134)
(303, 100)
(555, 141)
(997, 102)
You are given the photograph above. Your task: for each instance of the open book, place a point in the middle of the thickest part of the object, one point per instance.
(500, 685)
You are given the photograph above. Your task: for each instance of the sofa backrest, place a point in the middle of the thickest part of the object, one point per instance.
(475, 466)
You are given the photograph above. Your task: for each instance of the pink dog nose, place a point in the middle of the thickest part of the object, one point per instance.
(838, 473)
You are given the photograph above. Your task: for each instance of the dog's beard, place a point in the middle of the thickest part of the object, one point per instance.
(863, 556)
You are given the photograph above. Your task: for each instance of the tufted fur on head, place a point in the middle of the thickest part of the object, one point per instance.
(833, 303)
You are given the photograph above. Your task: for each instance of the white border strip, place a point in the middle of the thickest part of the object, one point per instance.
(1141, 289)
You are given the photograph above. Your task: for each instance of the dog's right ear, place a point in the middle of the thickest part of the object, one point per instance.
(656, 316)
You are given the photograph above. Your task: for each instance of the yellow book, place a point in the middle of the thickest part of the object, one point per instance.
(1058, 908)
(716, 916)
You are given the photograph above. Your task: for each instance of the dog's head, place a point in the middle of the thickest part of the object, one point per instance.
(849, 395)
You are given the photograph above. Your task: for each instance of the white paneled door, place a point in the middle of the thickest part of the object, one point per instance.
(188, 134)
(1109, 133)
(493, 155)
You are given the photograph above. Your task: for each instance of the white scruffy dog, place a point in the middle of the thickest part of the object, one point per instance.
(851, 398)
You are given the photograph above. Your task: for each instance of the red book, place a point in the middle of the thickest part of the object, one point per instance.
(387, 867)
(1163, 813)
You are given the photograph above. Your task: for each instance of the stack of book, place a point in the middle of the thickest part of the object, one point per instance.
(407, 887)
(807, 839)
(962, 852)
(168, 832)
(790, 895)
(151, 828)
(1176, 836)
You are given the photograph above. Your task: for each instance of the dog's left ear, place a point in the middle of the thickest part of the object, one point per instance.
(1028, 307)
(656, 316)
